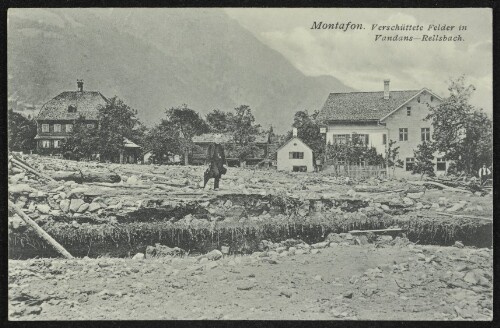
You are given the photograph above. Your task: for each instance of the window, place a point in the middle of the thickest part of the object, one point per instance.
(403, 134)
(45, 128)
(71, 109)
(299, 168)
(441, 164)
(90, 125)
(340, 138)
(384, 139)
(45, 144)
(408, 111)
(409, 163)
(418, 99)
(57, 144)
(425, 134)
(363, 138)
(57, 127)
(296, 155)
(69, 127)
(432, 98)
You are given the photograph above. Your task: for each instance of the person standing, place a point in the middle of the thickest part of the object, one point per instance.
(484, 173)
(216, 159)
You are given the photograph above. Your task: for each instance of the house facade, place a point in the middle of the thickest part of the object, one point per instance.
(57, 117)
(378, 117)
(295, 156)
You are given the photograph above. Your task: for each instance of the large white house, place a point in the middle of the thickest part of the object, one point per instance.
(380, 116)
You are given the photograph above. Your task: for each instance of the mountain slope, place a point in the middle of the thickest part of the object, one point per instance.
(155, 59)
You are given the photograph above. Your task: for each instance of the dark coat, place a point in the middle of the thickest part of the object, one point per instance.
(217, 159)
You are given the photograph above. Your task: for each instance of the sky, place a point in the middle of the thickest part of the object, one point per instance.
(355, 58)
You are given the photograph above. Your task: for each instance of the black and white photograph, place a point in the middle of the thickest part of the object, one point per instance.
(250, 164)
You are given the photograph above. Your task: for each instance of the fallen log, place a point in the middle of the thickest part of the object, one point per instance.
(29, 169)
(116, 185)
(377, 231)
(465, 216)
(39, 231)
(85, 176)
(440, 185)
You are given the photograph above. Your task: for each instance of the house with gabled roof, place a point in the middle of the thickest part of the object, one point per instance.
(380, 116)
(294, 155)
(57, 117)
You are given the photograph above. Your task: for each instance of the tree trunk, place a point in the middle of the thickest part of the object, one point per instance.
(85, 176)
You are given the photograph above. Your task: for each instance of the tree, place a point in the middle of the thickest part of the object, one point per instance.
(308, 130)
(461, 132)
(219, 121)
(187, 123)
(82, 141)
(21, 132)
(423, 160)
(163, 140)
(116, 121)
(392, 157)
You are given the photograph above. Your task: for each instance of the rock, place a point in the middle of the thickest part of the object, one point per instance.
(419, 206)
(77, 192)
(443, 201)
(75, 204)
(315, 251)
(351, 193)
(408, 201)
(280, 249)
(21, 189)
(214, 255)
(348, 294)
(471, 278)
(204, 260)
(362, 240)
(246, 285)
(458, 244)
(43, 208)
(320, 245)
(292, 250)
(94, 207)
(415, 195)
(33, 310)
(458, 206)
(132, 180)
(435, 205)
(83, 208)
(285, 292)
(138, 256)
(318, 278)
(385, 207)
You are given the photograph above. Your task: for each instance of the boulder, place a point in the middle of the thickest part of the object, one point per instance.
(43, 208)
(83, 208)
(414, 195)
(94, 207)
(64, 205)
(20, 189)
(133, 180)
(456, 207)
(138, 256)
(408, 201)
(75, 204)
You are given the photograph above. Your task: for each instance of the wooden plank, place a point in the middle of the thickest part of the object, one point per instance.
(378, 231)
(465, 216)
(29, 169)
(39, 231)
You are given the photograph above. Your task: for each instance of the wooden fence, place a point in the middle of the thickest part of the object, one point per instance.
(356, 171)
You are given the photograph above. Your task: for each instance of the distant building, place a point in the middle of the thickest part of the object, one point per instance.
(57, 117)
(295, 156)
(377, 117)
(199, 153)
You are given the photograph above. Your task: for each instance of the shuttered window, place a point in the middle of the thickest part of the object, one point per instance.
(296, 155)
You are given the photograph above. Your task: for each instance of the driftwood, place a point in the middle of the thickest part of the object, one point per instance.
(440, 185)
(465, 216)
(39, 231)
(377, 231)
(86, 176)
(116, 185)
(29, 169)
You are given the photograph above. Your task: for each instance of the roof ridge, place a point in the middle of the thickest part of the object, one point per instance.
(350, 92)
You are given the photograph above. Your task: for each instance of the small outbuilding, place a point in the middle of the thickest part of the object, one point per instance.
(295, 156)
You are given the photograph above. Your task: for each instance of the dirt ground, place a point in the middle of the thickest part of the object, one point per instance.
(338, 282)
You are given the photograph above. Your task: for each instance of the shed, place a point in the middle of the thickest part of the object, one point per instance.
(295, 156)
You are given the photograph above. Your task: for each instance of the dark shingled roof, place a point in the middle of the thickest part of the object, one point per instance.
(87, 104)
(359, 106)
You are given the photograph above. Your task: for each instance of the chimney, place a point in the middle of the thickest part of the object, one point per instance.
(79, 83)
(294, 132)
(386, 88)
